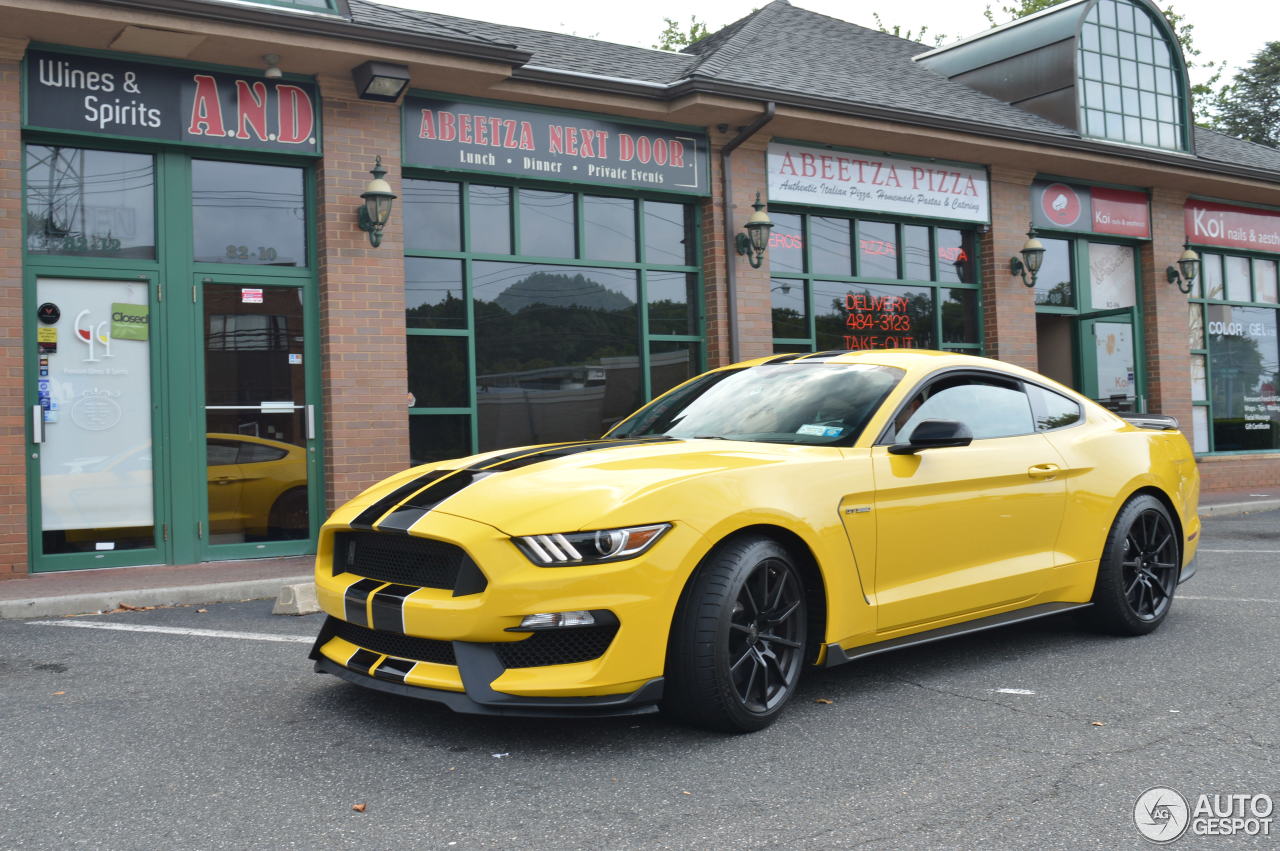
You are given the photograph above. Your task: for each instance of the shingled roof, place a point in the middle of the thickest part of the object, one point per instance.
(791, 55)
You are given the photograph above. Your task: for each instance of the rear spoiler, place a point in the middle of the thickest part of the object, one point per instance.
(1159, 422)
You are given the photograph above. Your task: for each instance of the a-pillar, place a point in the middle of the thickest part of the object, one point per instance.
(362, 322)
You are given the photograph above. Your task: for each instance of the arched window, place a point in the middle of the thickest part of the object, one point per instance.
(1131, 80)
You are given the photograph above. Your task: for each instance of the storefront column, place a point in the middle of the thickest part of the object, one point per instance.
(1164, 327)
(715, 258)
(13, 419)
(753, 311)
(362, 325)
(1008, 307)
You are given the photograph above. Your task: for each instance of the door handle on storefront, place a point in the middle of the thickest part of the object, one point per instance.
(1043, 471)
(37, 424)
(311, 422)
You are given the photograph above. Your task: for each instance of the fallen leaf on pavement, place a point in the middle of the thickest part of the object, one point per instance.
(358, 807)
(59, 692)
(1098, 723)
(822, 700)
(125, 607)
(202, 611)
(682, 792)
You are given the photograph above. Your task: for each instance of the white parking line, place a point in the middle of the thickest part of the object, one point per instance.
(179, 630)
(1226, 599)
(1262, 552)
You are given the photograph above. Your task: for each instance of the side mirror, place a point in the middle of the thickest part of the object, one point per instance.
(933, 434)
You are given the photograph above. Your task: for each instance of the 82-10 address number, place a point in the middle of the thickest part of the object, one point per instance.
(264, 254)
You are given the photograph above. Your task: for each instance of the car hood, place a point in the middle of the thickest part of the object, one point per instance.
(599, 485)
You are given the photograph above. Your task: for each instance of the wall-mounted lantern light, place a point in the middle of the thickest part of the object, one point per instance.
(378, 198)
(1032, 256)
(383, 81)
(1188, 267)
(756, 239)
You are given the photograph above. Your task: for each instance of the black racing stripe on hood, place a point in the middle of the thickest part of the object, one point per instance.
(416, 506)
(787, 358)
(365, 519)
(566, 451)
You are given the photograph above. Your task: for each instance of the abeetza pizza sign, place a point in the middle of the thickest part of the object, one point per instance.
(875, 183)
(111, 97)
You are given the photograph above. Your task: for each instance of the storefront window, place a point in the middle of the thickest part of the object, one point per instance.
(1236, 366)
(831, 310)
(248, 214)
(1054, 285)
(522, 351)
(90, 203)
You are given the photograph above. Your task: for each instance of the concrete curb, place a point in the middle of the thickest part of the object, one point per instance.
(98, 601)
(1228, 509)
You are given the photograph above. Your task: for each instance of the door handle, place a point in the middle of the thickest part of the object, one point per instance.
(1043, 471)
(37, 424)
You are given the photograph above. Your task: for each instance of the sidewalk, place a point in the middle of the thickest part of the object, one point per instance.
(85, 591)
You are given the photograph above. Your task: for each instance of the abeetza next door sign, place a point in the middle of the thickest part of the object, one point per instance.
(143, 100)
(500, 138)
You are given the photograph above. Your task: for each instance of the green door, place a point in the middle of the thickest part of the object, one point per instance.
(259, 419)
(1108, 350)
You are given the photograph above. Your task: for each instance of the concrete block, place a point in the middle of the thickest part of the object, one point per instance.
(297, 599)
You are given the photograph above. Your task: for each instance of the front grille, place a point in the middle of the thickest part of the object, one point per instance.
(406, 560)
(557, 647)
(394, 644)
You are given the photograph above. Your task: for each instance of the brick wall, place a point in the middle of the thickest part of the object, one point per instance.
(755, 305)
(362, 321)
(1008, 306)
(1164, 319)
(13, 420)
(714, 282)
(1240, 472)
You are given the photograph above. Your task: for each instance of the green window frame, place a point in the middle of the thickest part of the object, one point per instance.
(1217, 293)
(650, 342)
(1131, 81)
(801, 274)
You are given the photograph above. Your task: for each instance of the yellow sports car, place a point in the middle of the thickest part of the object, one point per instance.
(790, 511)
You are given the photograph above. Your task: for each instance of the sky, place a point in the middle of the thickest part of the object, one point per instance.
(1231, 30)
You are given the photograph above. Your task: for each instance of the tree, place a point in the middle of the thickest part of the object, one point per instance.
(896, 29)
(1250, 106)
(674, 38)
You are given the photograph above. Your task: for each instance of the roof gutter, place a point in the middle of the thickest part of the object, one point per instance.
(730, 257)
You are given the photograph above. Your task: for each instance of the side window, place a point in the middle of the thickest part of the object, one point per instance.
(221, 452)
(1053, 410)
(990, 407)
(253, 453)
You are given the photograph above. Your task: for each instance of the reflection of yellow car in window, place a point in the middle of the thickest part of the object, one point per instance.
(803, 509)
(257, 486)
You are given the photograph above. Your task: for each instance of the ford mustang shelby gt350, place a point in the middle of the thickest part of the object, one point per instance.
(790, 511)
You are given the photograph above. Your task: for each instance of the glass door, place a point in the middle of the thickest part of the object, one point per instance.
(92, 423)
(1108, 349)
(259, 422)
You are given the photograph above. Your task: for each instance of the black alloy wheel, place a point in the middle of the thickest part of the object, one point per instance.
(738, 638)
(766, 635)
(1139, 570)
(1150, 565)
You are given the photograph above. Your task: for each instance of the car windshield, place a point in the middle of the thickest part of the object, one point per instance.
(822, 404)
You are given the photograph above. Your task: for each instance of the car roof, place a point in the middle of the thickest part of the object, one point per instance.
(911, 360)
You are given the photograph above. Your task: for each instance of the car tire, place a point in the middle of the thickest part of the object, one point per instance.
(738, 639)
(289, 517)
(1138, 573)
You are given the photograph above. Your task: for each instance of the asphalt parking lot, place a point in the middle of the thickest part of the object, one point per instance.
(1040, 735)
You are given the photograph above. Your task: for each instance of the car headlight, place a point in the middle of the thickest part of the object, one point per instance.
(604, 545)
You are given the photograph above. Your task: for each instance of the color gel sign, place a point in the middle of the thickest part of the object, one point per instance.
(110, 97)
(1091, 209)
(509, 139)
(800, 175)
(1233, 227)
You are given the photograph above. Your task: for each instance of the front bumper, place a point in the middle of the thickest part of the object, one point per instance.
(449, 642)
